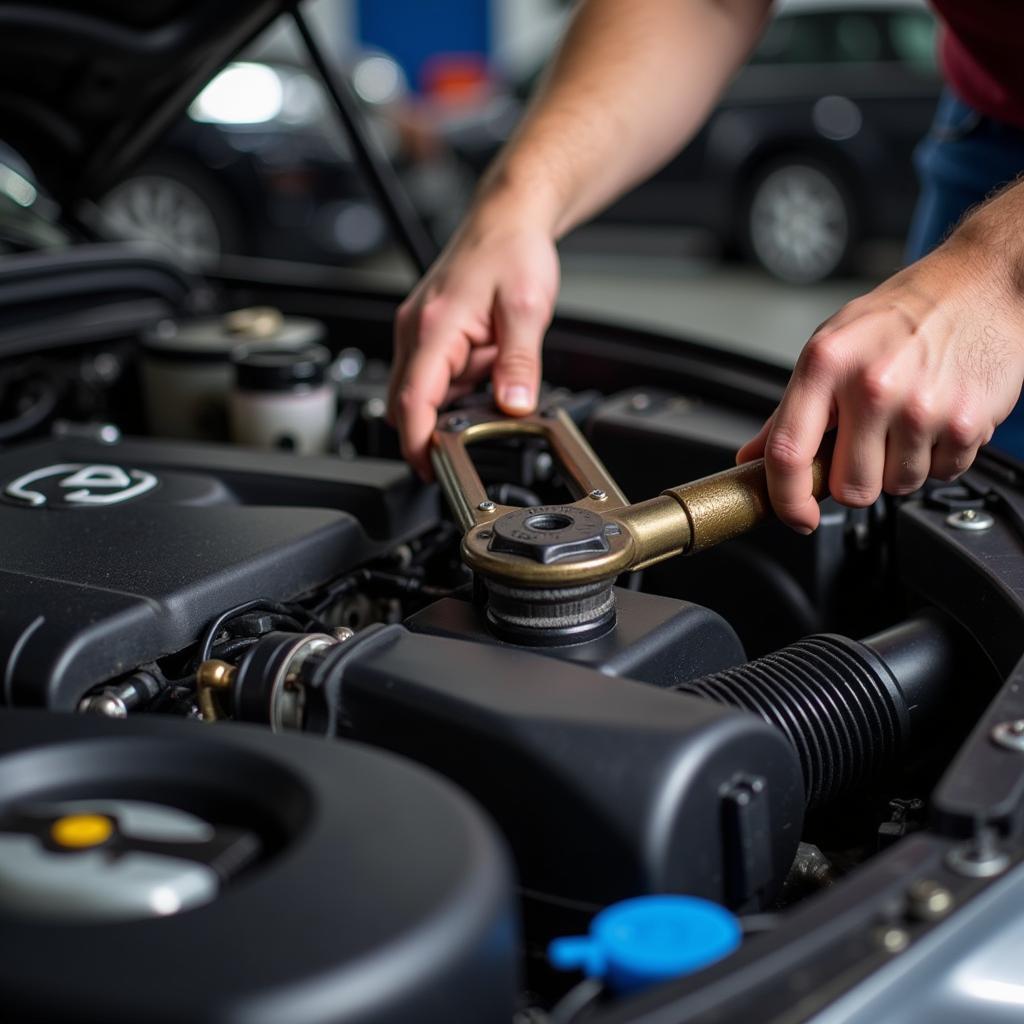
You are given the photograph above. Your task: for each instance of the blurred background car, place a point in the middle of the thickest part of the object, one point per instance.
(809, 151)
(255, 167)
(808, 155)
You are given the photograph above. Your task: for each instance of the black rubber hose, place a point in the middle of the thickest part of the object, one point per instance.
(850, 708)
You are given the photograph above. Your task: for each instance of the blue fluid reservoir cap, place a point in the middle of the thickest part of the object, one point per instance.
(642, 941)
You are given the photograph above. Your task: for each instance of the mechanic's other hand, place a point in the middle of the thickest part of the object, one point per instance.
(482, 308)
(916, 375)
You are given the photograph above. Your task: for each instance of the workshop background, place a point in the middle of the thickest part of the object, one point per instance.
(794, 198)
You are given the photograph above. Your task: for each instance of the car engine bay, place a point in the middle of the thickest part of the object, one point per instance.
(820, 734)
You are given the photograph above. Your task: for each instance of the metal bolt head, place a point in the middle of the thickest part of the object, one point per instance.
(105, 703)
(598, 495)
(975, 519)
(929, 900)
(639, 402)
(342, 633)
(486, 506)
(979, 858)
(1009, 735)
(892, 939)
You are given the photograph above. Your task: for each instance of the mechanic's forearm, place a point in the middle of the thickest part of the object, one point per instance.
(633, 82)
(993, 233)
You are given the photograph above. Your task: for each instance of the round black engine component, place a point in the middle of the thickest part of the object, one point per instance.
(848, 707)
(311, 881)
(550, 617)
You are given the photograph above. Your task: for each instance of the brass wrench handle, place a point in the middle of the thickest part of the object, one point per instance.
(717, 508)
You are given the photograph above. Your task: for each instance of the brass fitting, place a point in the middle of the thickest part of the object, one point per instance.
(213, 676)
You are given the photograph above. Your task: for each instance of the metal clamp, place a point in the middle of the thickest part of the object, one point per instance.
(599, 534)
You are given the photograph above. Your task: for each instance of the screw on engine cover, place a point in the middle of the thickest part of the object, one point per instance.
(892, 939)
(927, 900)
(486, 506)
(342, 633)
(979, 857)
(971, 519)
(640, 402)
(598, 495)
(1009, 735)
(456, 423)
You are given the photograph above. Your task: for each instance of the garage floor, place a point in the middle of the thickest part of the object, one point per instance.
(680, 286)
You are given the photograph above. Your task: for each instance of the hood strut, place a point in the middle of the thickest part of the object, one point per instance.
(377, 172)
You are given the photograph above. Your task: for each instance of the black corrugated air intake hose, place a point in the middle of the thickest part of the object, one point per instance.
(850, 708)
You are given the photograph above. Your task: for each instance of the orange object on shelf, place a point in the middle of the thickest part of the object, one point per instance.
(456, 78)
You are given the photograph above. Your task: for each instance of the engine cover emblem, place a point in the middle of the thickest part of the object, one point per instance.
(79, 485)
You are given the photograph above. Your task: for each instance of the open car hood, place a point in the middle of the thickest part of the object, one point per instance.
(84, 92)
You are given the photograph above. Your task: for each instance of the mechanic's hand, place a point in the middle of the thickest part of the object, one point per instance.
(916, 375)
(481, 309)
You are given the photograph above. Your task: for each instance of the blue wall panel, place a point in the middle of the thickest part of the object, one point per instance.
(414, 30)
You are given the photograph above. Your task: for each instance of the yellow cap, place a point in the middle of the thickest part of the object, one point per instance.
(80, 831)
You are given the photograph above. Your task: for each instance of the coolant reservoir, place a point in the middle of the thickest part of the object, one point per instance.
(186, 366)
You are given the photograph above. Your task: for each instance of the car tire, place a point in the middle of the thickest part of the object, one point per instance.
(799, 220)
(177, 206)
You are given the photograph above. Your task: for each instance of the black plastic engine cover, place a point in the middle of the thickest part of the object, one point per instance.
(114, 555)
(606, 788)
(655, 639)
(383, 895)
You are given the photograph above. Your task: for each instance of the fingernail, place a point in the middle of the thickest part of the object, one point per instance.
(516, 396)
(804, 531)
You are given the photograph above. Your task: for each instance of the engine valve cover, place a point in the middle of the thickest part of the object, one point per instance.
(112, 556)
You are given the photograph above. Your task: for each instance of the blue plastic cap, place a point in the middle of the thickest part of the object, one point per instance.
(649, 939)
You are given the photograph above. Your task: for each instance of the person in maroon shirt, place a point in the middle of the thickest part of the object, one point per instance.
(915, 375)
(981, 55)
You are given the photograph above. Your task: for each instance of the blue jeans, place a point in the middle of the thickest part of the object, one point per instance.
(963, 159)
